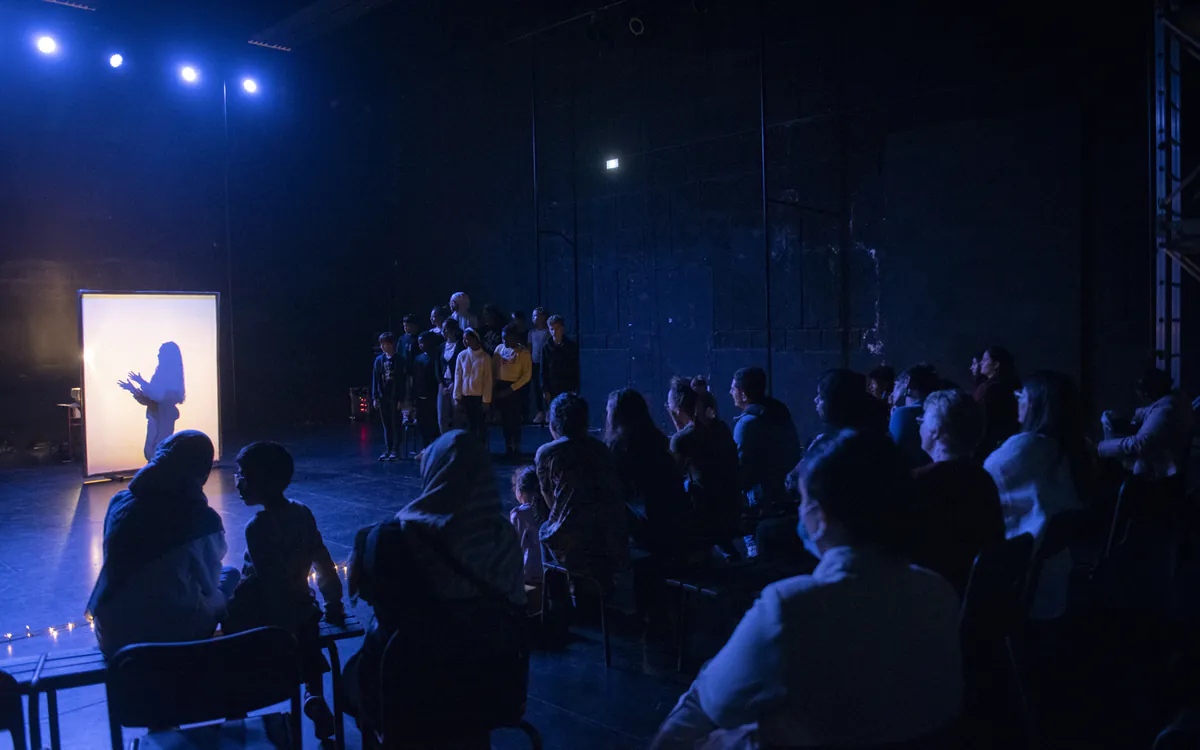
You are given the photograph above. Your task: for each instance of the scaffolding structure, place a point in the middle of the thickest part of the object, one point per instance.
(1177, 237)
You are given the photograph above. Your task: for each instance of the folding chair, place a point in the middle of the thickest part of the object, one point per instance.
(573, 580)
(993, 612)
(161, 685)
(455, 697)
(12, 718)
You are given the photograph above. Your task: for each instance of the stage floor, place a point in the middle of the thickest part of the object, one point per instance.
(52, 552)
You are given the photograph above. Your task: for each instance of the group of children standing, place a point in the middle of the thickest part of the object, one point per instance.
(461, 368)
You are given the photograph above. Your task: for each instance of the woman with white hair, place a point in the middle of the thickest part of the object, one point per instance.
(460, 310)
(957, 503)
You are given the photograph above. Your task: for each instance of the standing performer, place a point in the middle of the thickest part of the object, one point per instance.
(388, 380)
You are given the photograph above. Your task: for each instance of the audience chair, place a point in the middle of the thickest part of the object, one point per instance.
(12, 717)
(993, 613)
(574, 583)
(162, 686)
(455, 696)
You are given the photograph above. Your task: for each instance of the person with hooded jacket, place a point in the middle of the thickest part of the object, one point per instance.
(162, 578)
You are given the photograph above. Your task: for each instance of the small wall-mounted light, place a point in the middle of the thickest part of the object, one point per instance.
(612, 163)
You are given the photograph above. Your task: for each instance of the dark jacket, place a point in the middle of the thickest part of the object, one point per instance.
(560, 367)
(586, 527)
(768, 448)
(407, 347)
(425, 377)
(653, 489)
(389, 378)
(957, 513)
(905, 427)
(999, 401)
(708, 458)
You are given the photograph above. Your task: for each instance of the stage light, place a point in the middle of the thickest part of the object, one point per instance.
(46, 45)
(612, 163)
(116, 61)
(189, 74)
(250, 86)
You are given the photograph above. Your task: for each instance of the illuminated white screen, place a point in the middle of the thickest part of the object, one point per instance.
(170, 342)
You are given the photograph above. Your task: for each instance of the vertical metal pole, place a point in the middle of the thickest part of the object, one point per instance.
(1175, 171)
(762, 145)
(575, 209)
(537, 218)
(1167, 308)
(229, 260)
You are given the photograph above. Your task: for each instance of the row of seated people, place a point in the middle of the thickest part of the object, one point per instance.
(859, 506)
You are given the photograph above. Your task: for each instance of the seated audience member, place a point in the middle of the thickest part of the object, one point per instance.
(650, 481)
(162, 578)
(708, 459)
(586, 527)
(913, 385)
(977, 377)
(524, 518)
(284, 545)
(1043, 470)
(706, 403)
(957, 510)
(863, 652)
(443, 573)
(426, 386)
(997, 394)
(1156, 442)
(514, 369)
(842, 403)
(768, 446)
(881, 382)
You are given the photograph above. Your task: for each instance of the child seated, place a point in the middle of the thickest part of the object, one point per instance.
(283, 545)
(524, 519)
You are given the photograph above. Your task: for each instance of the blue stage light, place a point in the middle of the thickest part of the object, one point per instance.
(189, 74)
(116, 61)
(46, 45)
(250, 86)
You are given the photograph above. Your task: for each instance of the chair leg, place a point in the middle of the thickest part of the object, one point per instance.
(114, 729)
(681, 631)
(52, 718)
(35, 723)
(1026, 711)
(339, 720)
(604, 631)
(535, 739)
(296, 722)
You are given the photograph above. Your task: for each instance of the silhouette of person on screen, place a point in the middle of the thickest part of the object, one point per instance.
(161, 396)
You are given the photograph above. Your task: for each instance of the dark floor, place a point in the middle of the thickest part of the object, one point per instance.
(52, 554)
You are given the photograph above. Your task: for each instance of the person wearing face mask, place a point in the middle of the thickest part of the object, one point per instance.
(862, 652)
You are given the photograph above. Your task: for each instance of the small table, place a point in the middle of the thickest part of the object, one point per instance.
(53, 671)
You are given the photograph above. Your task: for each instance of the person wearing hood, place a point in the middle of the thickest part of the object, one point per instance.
(445, 576)
(460, 310)
(162, 578)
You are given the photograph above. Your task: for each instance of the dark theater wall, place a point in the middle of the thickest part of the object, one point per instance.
(936, 181)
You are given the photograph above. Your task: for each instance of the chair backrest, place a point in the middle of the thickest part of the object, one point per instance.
(1153, 501)
(993, 602)
(170, 684)
(464, 670)
(12, 718)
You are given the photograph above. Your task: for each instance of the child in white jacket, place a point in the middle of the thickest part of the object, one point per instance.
(473, 384)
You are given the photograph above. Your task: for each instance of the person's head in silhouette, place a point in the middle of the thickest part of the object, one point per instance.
(167, 383)
(264, 471)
